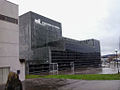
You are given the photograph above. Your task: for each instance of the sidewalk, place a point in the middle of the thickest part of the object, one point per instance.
(69, 84)
(93, 85)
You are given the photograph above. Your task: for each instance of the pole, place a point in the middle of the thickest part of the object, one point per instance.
(117, 62)
(72, 67)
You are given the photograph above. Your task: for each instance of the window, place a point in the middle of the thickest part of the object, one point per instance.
(9, 19)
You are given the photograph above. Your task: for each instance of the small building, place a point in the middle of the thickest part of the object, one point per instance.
(9, 41)
(41, 44)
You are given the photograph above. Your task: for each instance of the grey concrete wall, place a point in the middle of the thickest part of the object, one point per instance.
(9, 39)
(34, 37)
(25, 37)
(9, 9)
(42, 34)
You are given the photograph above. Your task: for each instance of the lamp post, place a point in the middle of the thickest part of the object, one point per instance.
(117, 60)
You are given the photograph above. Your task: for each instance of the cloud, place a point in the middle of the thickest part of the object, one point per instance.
(110, 28)
(81, 19)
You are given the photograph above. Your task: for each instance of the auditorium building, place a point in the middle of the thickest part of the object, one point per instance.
(41, 43)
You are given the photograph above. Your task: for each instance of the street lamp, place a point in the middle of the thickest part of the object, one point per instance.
(117, 60)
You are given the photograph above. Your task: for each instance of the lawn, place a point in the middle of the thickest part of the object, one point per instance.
(80, 77)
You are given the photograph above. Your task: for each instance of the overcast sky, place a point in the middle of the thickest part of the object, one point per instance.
(81, 19)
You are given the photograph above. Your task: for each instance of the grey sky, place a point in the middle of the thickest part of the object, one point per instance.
(81, 19)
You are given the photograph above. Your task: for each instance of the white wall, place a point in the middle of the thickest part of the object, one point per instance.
(9, 39)
(8, 8)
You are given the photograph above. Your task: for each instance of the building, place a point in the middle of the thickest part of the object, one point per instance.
(41, 43)
(83, 53)
(9, 41)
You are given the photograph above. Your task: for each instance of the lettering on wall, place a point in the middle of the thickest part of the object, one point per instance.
(38, 21)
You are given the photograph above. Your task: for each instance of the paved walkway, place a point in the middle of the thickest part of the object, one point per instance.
(92, 85)
(69, 84)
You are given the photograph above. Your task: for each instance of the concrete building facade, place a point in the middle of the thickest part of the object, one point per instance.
(9, 41)
(41, 43)
(36, 32)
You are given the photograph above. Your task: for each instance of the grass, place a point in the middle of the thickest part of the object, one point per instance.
(81, 77)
